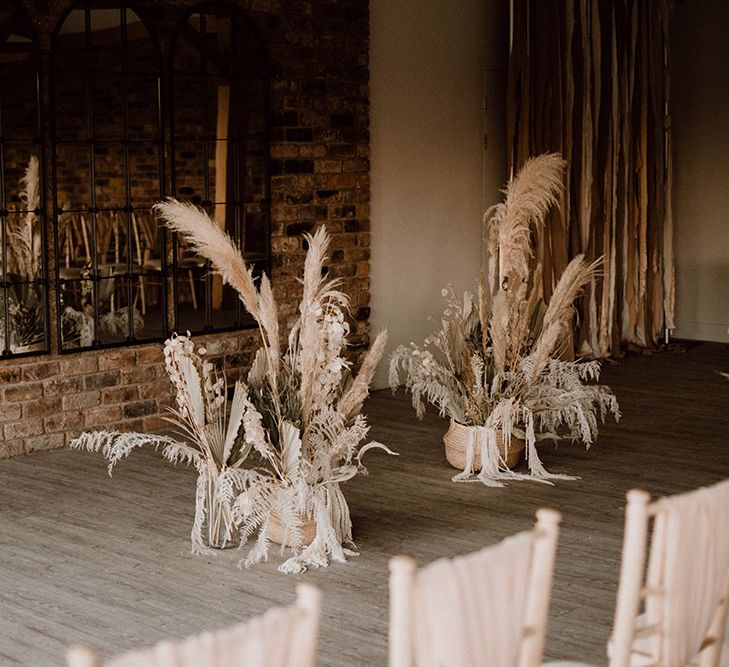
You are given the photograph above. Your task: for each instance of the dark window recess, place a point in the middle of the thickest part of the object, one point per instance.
(23, 284)
(219, 125)
(107, 174)
(126, 132)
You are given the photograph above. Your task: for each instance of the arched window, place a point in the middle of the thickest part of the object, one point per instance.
(107, 174)
(23, 284)
(220, 154)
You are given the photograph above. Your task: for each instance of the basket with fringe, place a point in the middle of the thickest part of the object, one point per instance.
(277, 534)
(456, 440)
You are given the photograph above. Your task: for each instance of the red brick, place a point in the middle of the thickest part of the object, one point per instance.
(116, 359)
(10, 448)
(64, 421)
(102, 416)
(24, 392)
(41, 408)
(81, 365)
(138, 375)
(40, 371)
(101, 380)
(155, 423)
(139, 409)
(10, 374)
(120, 394)
(23, 429)
(10, 411)
(157, 389)
(62, 386)
(44, 442)
(87, 399)
(150, 355)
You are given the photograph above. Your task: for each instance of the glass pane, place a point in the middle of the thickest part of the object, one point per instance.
(141, 51)
(144, 175)
(77, 313)
(190, 171)
(74, 244)
(224, 304)
(22, 177)
(24, 249)
(148, 303)
(192, 273)
(109, 176)
(143, 107)
(70, 116)
(114, 311)
(151, 240)
(25, 303)
(72, 177)
(107, 102)
(18, 92)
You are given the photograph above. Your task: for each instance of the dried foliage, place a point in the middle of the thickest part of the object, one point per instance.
(494, 362)
(291, 434)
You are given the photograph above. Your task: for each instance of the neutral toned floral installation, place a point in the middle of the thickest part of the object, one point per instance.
(494, 362)
(295, 423)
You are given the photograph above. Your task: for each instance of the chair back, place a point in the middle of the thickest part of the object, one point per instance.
(282, 637)
(672, 611)
(488, 607)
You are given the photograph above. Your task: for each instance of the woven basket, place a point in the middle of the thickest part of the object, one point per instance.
(276, 531)
(456, 439)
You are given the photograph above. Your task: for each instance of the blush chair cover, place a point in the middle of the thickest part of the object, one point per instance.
(675, 616)
(485, 608)
(282, 637)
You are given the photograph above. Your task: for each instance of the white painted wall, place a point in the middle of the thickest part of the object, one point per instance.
(700, 122)
(430, 62)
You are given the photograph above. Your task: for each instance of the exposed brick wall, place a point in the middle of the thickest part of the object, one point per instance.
(320, 175)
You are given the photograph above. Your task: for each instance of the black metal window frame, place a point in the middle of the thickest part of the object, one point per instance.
(42, 281)
(261, 261)
(132, 272)
(167, 183)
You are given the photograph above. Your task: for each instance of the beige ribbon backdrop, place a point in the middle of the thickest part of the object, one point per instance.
(588, 78)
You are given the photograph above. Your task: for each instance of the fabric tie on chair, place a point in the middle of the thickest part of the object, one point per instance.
(261, 642)
(692, 532)
(466, 608)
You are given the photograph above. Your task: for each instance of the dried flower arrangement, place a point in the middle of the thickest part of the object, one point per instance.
(494, 364)
(298, 414)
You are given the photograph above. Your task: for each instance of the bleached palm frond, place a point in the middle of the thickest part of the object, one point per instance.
(207, 239)
(238, 407)
(290, 450)
(116, 445)
(351, 402)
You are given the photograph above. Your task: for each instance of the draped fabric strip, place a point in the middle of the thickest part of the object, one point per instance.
(471, 608)
(261, 642)
(589, 79)
(690, 556)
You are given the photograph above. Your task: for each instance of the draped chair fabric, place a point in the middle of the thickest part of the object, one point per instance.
(588, 78)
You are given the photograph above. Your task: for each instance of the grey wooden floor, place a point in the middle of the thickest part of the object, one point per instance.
(85, 558)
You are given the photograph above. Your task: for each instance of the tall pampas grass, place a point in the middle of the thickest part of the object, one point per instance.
(498, 369)
(301, 410)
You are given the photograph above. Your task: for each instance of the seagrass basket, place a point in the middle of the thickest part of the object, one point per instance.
(276, 531)
(456, 439)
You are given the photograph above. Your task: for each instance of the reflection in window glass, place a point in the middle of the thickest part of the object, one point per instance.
(108, 175)
(219, 155)
(23, 293)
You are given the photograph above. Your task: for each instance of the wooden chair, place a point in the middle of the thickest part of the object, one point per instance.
(282, 637)
(672, 613)
(487, 608)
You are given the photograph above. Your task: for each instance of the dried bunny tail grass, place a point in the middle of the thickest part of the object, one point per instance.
(207, 238)
(351, 402)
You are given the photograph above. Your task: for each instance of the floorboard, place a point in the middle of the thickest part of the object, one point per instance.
(106, 561)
